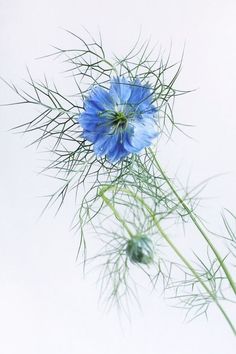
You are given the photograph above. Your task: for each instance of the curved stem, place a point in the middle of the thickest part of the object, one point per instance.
(197, 224)
(115, 212)
(169, 241)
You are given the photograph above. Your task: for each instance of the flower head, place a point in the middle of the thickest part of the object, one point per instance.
(119, 120)
(140, 249)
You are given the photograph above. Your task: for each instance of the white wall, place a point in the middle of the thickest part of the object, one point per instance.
(45, 304)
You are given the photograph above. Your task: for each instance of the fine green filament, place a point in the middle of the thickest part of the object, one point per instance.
(170, 243)
(196, 223)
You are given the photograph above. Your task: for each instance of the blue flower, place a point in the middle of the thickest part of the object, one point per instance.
(119, 120)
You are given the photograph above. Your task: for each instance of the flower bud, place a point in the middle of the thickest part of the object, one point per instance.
(140, 249)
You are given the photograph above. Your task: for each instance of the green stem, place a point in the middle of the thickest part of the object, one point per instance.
(197, 224)
(168, 240)
(115, 212)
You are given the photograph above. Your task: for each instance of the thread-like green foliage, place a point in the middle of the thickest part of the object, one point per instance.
(133, 197)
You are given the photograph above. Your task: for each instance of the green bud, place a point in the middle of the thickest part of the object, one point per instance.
(140, 249)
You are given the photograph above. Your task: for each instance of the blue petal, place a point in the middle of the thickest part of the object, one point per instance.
(140, 94)
(120, 90)
(128, 144)
(88, 120)
(142, 135)
(91, 122)
(90, 136)
(103, 144)
(101, 98)
(118, 152)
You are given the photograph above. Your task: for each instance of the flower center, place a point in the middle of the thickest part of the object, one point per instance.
(120, 119)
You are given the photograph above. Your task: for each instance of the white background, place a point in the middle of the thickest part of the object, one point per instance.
(45, 304)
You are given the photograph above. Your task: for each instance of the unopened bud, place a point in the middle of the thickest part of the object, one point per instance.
(140, 249)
